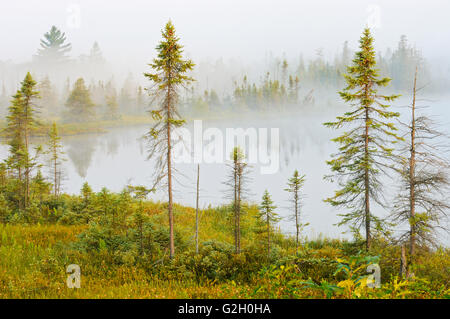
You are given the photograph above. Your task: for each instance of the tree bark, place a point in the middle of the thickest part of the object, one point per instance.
(366, 179)
(297, 226)
(268, 235)
(196, 210)
(412, 168)
(27, 160)
(403, 269)
(236, 246)
(169, 172)
(56, 173)
(239, 208)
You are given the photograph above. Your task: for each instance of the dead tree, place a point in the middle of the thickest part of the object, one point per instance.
(196, 209)
(422, 203)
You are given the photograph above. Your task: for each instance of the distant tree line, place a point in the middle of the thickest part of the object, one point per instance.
(284, 85)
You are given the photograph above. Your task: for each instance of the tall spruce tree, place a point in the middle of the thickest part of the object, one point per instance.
(20, 122)
(365, 151)
(15, 133)
(169, 75)
(54, 47)
(29, 120)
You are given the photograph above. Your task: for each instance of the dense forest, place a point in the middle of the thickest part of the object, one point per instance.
(128, 245)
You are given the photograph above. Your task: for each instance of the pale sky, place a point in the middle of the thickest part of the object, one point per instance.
(128, 31)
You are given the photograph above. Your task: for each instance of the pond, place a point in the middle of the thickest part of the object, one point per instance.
(119, 158)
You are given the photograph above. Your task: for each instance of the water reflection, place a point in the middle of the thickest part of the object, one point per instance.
(80, 150)
(118, 157)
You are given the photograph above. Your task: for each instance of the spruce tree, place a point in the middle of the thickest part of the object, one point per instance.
(169, 75)
(54, 47)
(49, 99)
(39, 187)
(20, 122)
(87, 207)
(295, 184)
(112, 111)
(139, 218)
(268, 215)
(237, 182)
(140, 101)
(403, 62)
(365, 151)
(79, 102)
(96, 55)
(55, 153)
(14, 131)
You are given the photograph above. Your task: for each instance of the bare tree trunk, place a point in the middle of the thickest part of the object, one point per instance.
(196, 210)
(297, 226)
(21, 204)
(141, 235)
(366, 182)
(236, 246)
(56, 176)
(27, 168)
(403, 263)
(268, 235)
(412, 167)
(239, 209)
(27, 185)
(59, 181)
(169, 173)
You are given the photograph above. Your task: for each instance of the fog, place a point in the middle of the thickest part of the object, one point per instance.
(245, 30)
(226, 39)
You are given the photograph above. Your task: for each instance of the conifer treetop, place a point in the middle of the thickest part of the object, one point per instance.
(170, 67)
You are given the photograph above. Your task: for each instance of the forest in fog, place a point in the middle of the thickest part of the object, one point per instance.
(277, 83)
(106, 175)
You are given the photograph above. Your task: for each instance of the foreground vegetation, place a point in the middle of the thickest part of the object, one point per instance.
(34, 260)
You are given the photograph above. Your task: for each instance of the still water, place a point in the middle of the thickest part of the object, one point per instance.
(119, 158)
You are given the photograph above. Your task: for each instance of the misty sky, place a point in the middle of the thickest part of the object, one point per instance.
(128, 30)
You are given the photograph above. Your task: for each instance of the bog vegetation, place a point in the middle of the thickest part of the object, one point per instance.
(129, 246)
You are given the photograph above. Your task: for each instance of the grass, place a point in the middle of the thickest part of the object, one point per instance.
(33, 261)
(34, 258)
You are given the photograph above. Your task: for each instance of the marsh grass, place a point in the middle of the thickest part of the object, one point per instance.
(33, 261)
